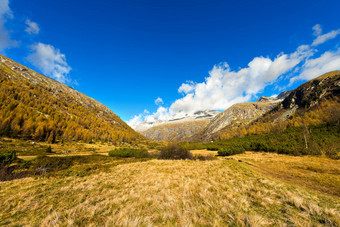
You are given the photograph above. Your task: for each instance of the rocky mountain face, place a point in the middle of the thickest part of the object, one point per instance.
(34, 106)
(240, 113)
(177, 128)
(310, 94)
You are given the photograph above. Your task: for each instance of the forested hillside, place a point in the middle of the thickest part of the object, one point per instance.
(36, 107)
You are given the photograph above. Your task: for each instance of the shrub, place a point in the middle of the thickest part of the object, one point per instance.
(129, 152)
(212, 147)
(49, 149)
(231, 150)
(174, 151)
(7, 157)
(24, 164)
(45, 164)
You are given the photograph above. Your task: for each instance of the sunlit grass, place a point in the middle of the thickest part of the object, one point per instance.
(162, 192)
(316, 173)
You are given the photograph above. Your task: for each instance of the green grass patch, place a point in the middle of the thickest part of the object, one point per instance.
(314, 140)
(129, 152)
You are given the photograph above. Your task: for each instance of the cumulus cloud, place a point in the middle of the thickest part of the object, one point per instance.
(136, 120)
(50, 61)
(224, 86)
(325, 37)
(313, 68)
(5, 13)
(162, 114)
(187, 87)
(159, 101)
(32, 27)
(317, 30)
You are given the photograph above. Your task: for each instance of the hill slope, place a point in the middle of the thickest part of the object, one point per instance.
(240, 113)
(177, 128)
(33, 106)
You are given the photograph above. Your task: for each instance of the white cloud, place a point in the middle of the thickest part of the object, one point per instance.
(224, 87)
(187, 87)
(159, 101)
(162, 114)
(317, 30)
(313, 68)
(32, 27)
(136, 120)
(5, 13)
(50, 61)
(320, 39)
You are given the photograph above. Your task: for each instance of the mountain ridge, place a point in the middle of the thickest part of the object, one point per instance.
(239, 113)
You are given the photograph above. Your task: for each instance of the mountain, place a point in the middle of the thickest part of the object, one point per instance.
(240, 113)
(33, 106)
(314, 102)
(176, 127)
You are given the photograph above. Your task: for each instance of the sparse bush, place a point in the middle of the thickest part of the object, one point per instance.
(49, 149)
(25, 164)
(45, 164)
(7, 157)
(129, 152)
(212, 147)
(230, 150)
(174, 151)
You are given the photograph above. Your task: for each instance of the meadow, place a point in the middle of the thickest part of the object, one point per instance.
(249, 189)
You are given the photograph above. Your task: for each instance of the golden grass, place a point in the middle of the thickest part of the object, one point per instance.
(316, 173)
(30, 148)
(203, 152)
(165, 193)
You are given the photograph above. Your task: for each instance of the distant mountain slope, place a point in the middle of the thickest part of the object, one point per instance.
(177, 128)
(36, 107)
(240, 113)
(314, 102)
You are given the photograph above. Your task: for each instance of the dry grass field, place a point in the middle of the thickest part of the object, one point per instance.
(233, 191)
(315, 173)
(30, 148)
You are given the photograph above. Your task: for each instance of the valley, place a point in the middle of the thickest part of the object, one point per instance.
(66, 159)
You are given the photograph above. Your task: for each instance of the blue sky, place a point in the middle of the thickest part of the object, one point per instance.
(190, 54)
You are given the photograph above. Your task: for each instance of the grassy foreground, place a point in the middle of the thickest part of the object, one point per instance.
(162, 192)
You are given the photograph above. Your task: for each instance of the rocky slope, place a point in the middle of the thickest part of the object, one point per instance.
(34, 106)
(309, 94)
(177, 128)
